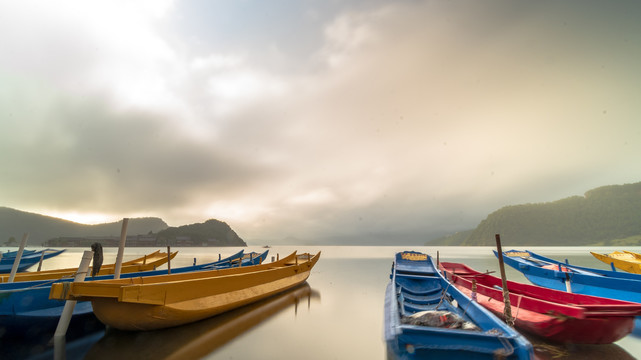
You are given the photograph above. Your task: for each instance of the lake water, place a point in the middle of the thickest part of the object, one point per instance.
(337, 315)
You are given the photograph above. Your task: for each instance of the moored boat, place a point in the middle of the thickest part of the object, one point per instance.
(562, 276)
(27, 260)
(145, 263)
(155, 302)
(26, 307)
(428, 318)
(622, 260)
(551, 314)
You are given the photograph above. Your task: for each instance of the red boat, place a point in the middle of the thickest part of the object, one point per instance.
(555, 315)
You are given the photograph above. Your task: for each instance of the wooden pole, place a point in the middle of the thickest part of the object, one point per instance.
(506, 294)
(121, 248)
(42, 257)
(168, 259)
(16, 262)
(67, 311)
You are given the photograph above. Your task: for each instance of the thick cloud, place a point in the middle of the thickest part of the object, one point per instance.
(376, 122)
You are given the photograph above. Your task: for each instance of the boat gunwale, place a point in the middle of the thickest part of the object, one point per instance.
(113, 288)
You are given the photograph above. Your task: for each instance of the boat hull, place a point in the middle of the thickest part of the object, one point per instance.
(25, 305)
(625, 286)
(156, 302)
(620, 260)
(562, 329)
(132, 316)
(416, 288)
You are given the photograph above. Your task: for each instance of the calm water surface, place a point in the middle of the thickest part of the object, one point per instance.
(338, 314)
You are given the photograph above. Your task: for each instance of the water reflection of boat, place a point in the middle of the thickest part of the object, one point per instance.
(33, 343)
(198, 339)
(554, 351)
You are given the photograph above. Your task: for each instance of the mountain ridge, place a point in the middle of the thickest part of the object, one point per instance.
(606, 215)
(41, 228)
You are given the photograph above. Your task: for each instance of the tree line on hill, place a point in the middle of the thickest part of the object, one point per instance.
(608, 215)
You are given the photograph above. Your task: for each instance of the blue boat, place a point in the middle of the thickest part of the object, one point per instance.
(13, 253)
(27, 260)
(558, 275)
(428, 318)
(25, 306)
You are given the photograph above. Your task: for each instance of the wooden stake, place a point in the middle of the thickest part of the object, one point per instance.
(506, 294)
(168, 260)
(121, 248)
(42, 257)
(67, 311)
(16, 262)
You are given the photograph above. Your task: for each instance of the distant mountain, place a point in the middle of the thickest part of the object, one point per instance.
(212, 232)
(14, 223)
(608, 215)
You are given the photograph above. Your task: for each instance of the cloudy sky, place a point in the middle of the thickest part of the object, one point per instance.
(342, 121)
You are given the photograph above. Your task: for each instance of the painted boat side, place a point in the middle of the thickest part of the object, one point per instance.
(623, 261)
(26, 303)
(168, 300)
(414, 277)
(542, 315)
(581, 280)
(145, 263)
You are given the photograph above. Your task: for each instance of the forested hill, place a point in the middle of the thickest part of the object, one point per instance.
(608, 215)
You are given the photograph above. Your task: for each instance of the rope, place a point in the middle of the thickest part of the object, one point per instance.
(443, 295)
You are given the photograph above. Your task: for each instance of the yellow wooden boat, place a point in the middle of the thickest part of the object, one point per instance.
(156, 302)
(145, 263)
(624, 260)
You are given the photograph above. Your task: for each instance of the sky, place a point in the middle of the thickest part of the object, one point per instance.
(296, 121)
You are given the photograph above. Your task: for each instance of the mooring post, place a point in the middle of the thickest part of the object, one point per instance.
(168, 260)
(67, 311)
(121, 248)
(16, 262)
(507, 311)
(42, 257)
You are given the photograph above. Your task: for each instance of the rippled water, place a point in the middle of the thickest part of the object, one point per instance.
(337, 315)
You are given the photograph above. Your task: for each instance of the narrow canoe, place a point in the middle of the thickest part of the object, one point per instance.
(26, 261)
(25, 306)
(155, 302)
(145, 263)
(555, 315)
(557, 275)
(621, 260)
(428, 318)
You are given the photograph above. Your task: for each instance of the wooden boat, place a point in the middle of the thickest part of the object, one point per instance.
(145, 263)
(13, 253)
(25, 306)
(555, 315)
(27, 260)
(625, 261)
(557, 275)
(155, 302)
(428, 318)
